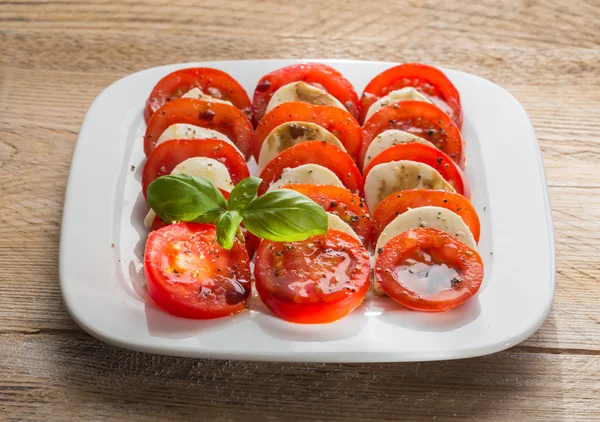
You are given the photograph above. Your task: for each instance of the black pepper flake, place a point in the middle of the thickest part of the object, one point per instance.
(354, 218)
(439, 160)
(132, 167)
(380, 250)
(455, 282)
(332, 204)
(207, 114)
(445, 200)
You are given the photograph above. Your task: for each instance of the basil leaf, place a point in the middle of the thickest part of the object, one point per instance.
(284, 216)
(182, 197)
(227, 225)
(243, 193)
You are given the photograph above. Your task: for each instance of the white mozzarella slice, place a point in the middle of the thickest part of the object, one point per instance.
(336, 223)
(313, 174)
(185, 131)
(289, 134)
(199, 95)
(149, 219)
(404, 94)
(387, 178)
(388, 139)
(303, 92)
(432, 217)
(209, 168)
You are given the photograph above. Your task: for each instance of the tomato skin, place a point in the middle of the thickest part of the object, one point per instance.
(189, 275)
(428, 155)
(421, 119)
(213, 82)
(223, 118)
(337, 121)
(429, 80)
(350, 207)
(314, 152)
(321, 75)
(169, 154)
(442, 248)
(400, 202)
(312, 305)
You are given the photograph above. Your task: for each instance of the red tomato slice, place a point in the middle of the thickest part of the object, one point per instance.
(350, 207)
(314, 152)
(335, 120)
(167, 155)
(421, 119)
(428, 155)
(223, 118)
(400, 202)
(428, 270)
(320, 75)
(318, 280)
(213, 82)
(189, 275)
(430, 81)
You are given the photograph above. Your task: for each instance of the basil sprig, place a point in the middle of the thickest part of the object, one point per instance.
(279, 215)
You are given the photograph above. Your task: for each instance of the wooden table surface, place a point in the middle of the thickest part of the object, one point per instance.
(55, 57)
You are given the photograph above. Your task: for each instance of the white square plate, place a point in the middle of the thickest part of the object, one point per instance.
(103, 237)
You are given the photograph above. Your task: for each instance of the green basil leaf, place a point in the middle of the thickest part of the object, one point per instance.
(285, 216)
(243, 193)
(227, 225)
(182, 197)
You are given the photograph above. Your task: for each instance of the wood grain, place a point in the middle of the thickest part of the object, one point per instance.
(57, 56)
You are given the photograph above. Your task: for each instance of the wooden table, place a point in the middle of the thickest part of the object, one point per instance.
(55, 58)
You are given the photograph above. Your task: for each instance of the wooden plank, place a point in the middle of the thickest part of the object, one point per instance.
(112, 50)
(80, 378)
(511, 23)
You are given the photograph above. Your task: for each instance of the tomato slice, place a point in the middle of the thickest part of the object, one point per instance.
(314, 152)
(189, 275)
(223, 118)
(167, 155)
(213, 82)
(430, 81)
(428, 155)
(320, 75)
(350, 207)
(318, 280)
(335, 120)
(400, 202)
(421, 119)
(428, 270)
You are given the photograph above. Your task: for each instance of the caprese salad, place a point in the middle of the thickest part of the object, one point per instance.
(338, 176)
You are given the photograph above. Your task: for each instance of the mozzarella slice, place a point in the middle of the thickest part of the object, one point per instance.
(404, 94)
(185, 131)
(303, 92)
(387, 178)
(149, 219)
(388, 139)
(289, 134)
(313, 174)
(336, 223)
(199, 95)
(213, 170)
(432, 217)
